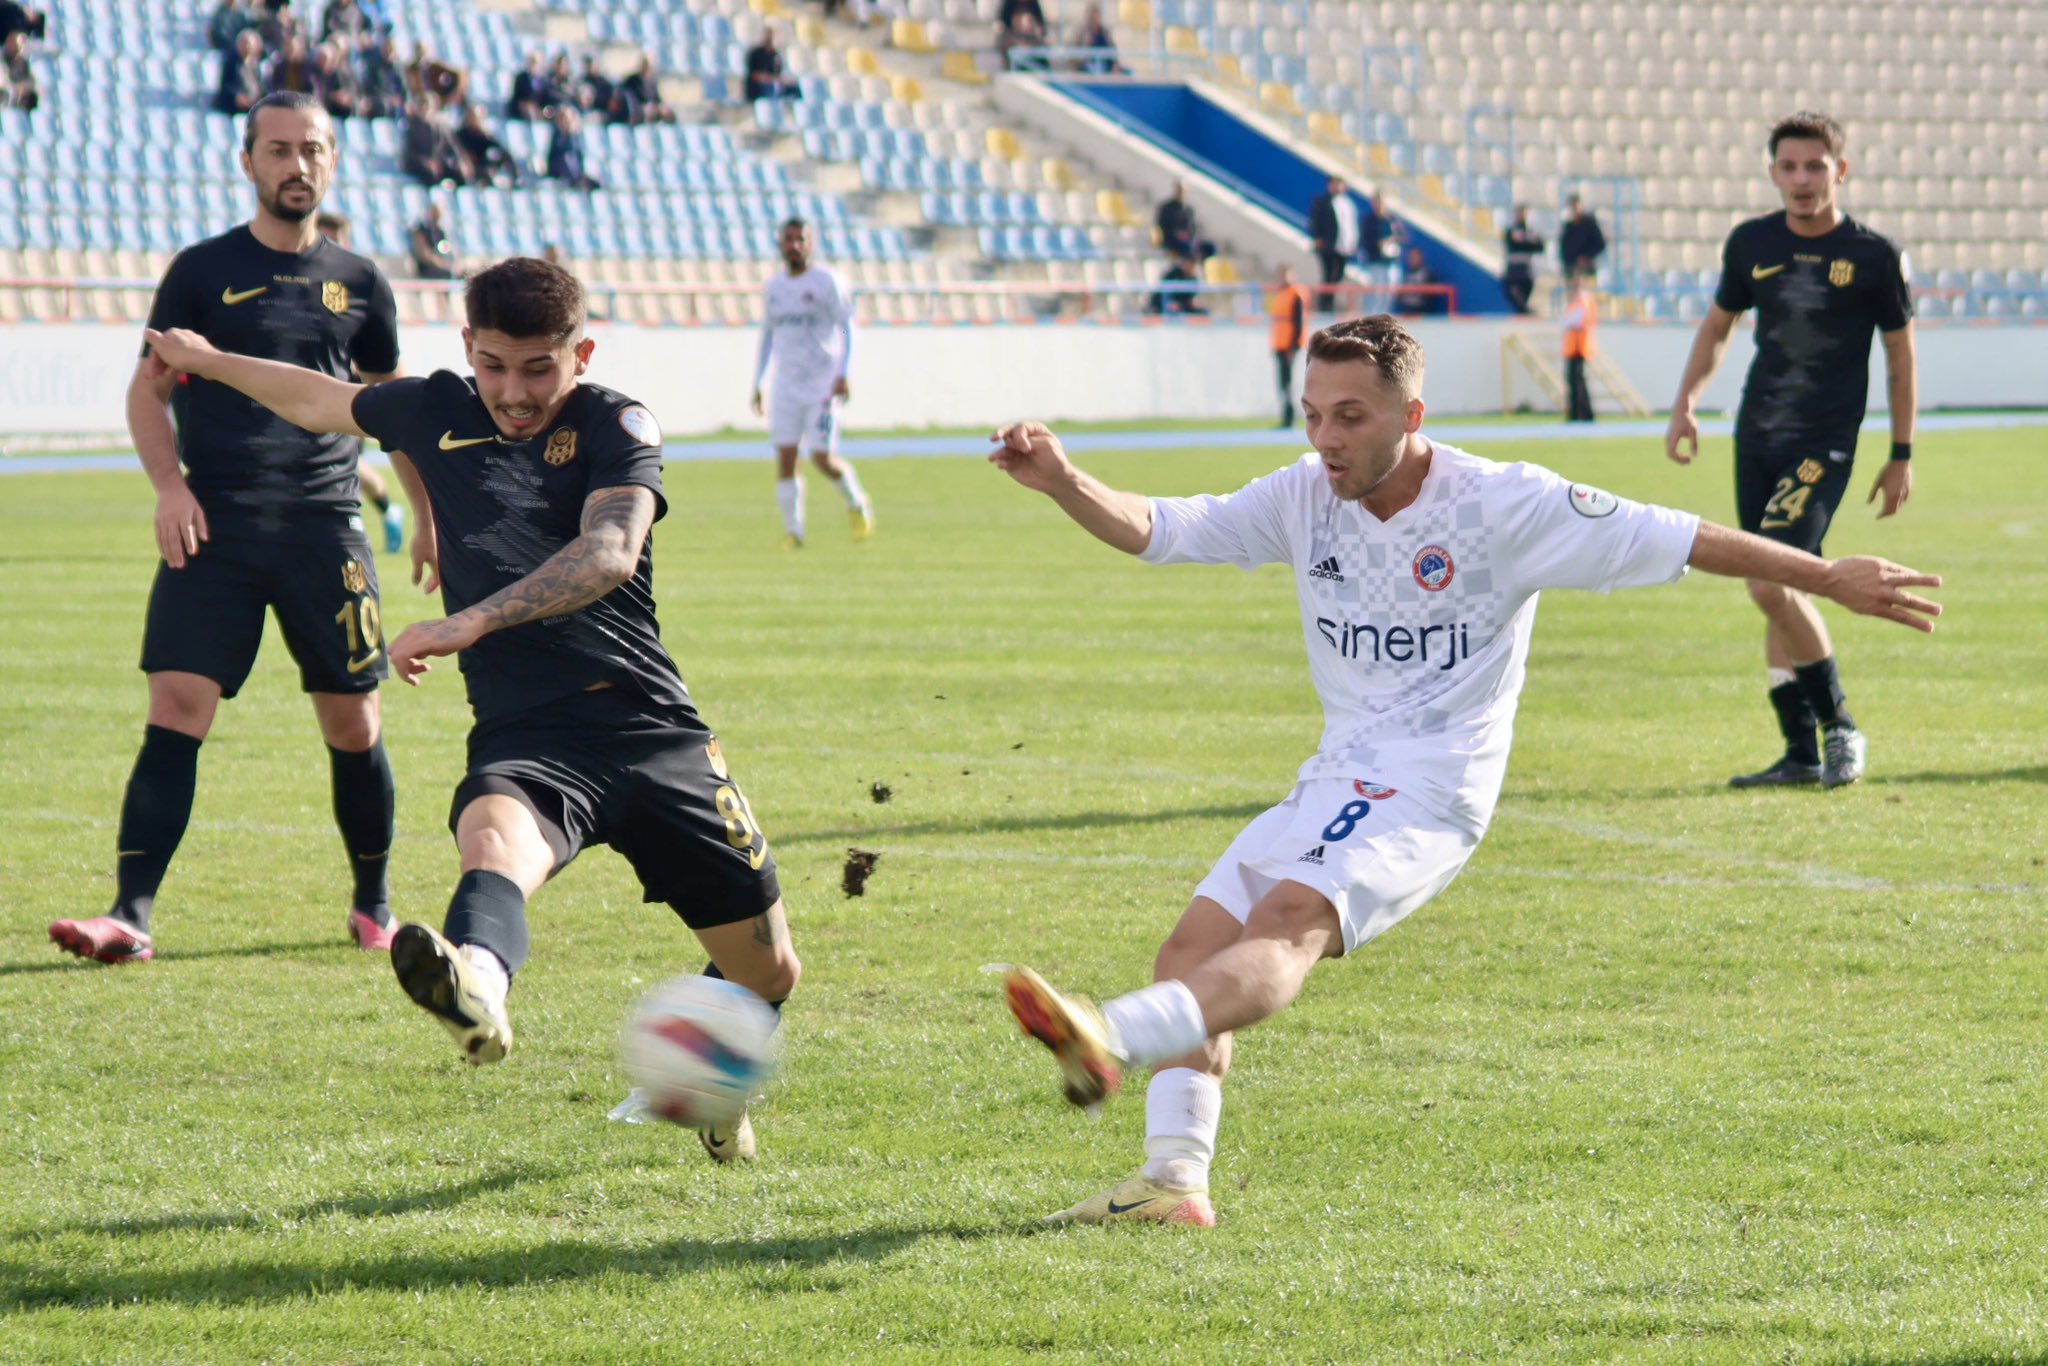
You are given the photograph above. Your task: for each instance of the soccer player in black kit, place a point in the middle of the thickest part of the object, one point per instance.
(543, 490)
(261, 516)
(1821, 283)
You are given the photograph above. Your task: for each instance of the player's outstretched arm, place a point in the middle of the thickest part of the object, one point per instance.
(304, 398)
(603, 556)
(1862, 583)
(1031, 454)
(1709, 345)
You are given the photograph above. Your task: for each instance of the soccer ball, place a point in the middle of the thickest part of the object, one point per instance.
(699, 1048)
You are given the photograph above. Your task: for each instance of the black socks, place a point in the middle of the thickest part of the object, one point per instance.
(1821, 686)
(1795, 720)
(489, 909)
(365, 809)
(154, 813)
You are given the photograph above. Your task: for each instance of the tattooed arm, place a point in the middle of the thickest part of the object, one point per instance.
(603, 556)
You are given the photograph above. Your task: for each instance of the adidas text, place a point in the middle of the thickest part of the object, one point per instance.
(1327, 570)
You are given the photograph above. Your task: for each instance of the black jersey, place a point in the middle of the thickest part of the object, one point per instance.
(1817, 300)
(502, 507)
(324, 309)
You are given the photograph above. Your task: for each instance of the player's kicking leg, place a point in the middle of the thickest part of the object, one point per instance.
(1230, 976)
(462, 974)
(757, 954)
(789, 496)
(821, 440)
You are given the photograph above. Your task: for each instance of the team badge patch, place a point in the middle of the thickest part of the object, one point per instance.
(1372, 792)
(1433, 568)
(334, 294)
(353, 577)
(1809, 471)
(639, 424)
(1588, 501)
(561, 447)
(1841, 273)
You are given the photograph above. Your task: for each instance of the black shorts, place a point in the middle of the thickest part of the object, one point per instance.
(207, 618)
(1790, 496)
(604, 768)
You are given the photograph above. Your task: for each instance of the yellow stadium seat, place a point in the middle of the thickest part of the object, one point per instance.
(1134, 14)
(1279, 96)
(1001, 142)
(1057, 173)
(810, 30)
(1230, 69)
(906, 89)
(1326, 125)
(1219, 270)
(767, 9)
(1113, 207)
(1184, 42)
(960, 66)
(861, 61)
(910, 36)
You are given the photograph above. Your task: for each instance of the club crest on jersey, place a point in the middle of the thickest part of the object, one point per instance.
(1810, 471)
(1588, 501)
(334, 295)
(716, 757)
(639, 424)
(1841, 273)
(1372, 792)
(561, 447)
(353, 576)
(1434, 569)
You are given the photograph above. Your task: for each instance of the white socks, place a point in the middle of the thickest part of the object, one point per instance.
(1155, 1023)
(789, 496)
(1780, 677)
(1182, 1108)
(849, 487)
(490, 972)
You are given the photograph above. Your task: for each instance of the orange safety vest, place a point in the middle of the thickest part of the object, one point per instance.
(1578, 341)
(1289, 307)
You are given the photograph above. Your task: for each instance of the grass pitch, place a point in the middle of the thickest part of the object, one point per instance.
(1671, 1073)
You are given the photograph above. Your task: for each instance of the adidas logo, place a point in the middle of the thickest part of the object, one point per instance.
(1314, 856)
(1327, 570)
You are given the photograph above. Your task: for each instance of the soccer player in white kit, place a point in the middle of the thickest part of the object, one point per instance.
(807, 331)
(1417, 567)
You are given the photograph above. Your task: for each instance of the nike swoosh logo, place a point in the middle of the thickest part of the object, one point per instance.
(1115, 1208)
(231, 297)
(1763, 272)
(356, 666)
(450, 443)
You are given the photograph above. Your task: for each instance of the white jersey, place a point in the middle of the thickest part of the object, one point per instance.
(1418, 627)
(805, 315)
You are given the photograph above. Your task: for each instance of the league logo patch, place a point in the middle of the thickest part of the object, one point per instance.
(639, 424)
(334, 294)
(1372, 792)
(561, 447)
(1841, 273)
(1588, 501)
(353, 577)
(1434, 569)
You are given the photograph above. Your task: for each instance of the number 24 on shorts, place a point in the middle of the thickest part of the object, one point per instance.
(1347, 820)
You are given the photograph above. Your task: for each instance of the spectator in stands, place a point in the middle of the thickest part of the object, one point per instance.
(345, 20)
(429, 153)
(1580, 315)
(241, 75)
(1412, 301)
(561, 83)
(1333, 223)
(1524, 247)
(335, 75)
(1580, 243)
(640, 93)
(227, 24)
(1382, 238)
(433, 254)
(1181, 273)
(1176, 223)
(1287, 306)
(449, 85)
(17, 79)
(765, 78)
(384, 94)
(596, 92)
(490, 161)
(1020, 24)
(277, 24)
(293, 69)
(1094, 36)
(531, 95)
(565, 151)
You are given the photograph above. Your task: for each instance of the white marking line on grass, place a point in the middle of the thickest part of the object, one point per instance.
(1817, 878)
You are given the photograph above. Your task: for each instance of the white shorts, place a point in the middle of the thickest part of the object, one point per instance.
(1376, 852)
(810, 426)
